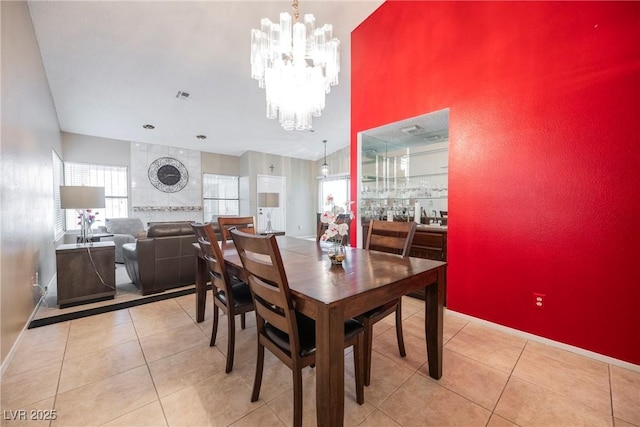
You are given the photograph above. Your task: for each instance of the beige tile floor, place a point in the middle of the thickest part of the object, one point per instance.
(151, 365)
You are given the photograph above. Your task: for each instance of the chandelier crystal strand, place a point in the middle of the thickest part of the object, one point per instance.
(296, 64)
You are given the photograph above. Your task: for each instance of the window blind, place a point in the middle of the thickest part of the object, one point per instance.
(220, 195)
(114, 179)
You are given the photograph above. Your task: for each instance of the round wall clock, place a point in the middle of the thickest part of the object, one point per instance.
(168, 174)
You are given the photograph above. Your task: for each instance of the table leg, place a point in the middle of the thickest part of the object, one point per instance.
(201, 286)
(330, 367)
(433, 323)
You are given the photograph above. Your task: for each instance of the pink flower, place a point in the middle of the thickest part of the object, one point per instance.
(327, 217)
(333, 229)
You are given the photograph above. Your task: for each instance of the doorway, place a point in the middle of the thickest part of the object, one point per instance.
(271, 204)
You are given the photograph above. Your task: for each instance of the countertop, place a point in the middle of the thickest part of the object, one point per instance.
(432, 227)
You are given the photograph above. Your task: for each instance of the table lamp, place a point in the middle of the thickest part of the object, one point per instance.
(269, 201)
(82, 198)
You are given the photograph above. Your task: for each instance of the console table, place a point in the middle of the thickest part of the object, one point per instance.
(86, 273)
(95, 237)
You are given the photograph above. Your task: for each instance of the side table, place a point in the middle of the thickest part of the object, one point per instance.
(95, 237)
(86, 273)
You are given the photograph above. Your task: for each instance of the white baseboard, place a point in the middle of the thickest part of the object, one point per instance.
(547, 341)
(11, 353)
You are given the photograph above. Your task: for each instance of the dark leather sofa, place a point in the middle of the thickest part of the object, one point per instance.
(165, 259)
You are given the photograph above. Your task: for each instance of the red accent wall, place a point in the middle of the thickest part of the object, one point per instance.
(544, 157)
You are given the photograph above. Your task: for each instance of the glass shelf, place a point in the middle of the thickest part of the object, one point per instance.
(404, 198)
(395, 179)
(371, 178)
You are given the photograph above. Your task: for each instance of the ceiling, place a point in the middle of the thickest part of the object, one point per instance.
(413, 133)
(114, 66)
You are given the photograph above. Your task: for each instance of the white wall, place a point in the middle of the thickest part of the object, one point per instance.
(301, 188)
(29, 132)
(93, 149)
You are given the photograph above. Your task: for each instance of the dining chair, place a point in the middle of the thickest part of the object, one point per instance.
(393, 237)
(242, 223)
(230, 295)
(285, 332)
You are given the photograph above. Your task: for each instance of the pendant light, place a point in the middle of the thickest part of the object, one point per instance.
(325, 166)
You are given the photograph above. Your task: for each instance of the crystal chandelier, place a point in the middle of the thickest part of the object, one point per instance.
(296, 65)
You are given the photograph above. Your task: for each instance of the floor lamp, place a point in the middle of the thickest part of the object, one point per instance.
(82, 198)
(269, 201)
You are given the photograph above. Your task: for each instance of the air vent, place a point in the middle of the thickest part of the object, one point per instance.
(182, 94)
(413, 129)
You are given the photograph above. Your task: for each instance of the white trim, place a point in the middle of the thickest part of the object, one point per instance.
(552, 343)
(7, 360)
(334, 177)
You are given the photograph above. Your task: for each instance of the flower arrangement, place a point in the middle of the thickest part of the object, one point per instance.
(336, 230)
(333, 229)
(86, 218)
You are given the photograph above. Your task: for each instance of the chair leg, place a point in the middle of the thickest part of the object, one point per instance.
(297, 396)
(257, 381)
(358, 365)
(368, 347)
(243, 323)
(399, 334)
(214, 330)
(231, 340)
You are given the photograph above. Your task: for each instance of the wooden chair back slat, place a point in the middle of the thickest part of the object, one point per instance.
(270, 303)
(246, 224)
(394, 237)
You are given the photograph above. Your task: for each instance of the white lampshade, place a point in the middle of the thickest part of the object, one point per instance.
(81, 197)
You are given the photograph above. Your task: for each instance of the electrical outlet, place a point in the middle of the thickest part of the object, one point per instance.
(539, 300)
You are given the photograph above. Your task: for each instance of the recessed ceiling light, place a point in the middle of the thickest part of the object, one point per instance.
(201, 136)
(148, 127)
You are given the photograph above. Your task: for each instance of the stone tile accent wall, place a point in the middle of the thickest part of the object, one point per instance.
(150, 204)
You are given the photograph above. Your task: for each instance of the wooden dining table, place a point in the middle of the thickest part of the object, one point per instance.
(330, 294)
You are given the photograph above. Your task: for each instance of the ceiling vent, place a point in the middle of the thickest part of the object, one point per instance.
(411, 130)
(182, 94)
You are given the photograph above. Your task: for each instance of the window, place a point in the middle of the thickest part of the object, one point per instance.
(338, 188)
(112, 178)
(58, 180)
(221, 195)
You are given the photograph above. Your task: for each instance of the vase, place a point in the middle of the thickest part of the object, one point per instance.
(337, 253)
